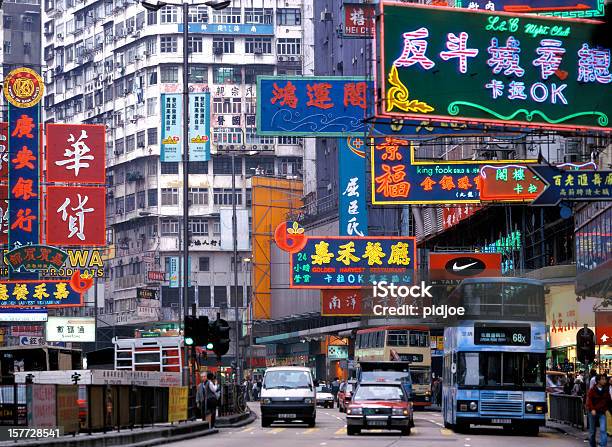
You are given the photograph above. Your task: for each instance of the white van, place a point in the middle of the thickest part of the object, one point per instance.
(288, 393)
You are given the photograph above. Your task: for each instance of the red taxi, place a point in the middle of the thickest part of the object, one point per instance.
(379, 405)
(344, 395)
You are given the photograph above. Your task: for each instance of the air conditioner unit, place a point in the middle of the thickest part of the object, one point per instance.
(265, 147)
(258, 50)
(220, 147)
(137, 58)
(282, 58)
(294, 58)
(326, 16)
(60, 36)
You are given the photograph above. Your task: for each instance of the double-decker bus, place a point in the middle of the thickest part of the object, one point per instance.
(495, 359)
(402, 344)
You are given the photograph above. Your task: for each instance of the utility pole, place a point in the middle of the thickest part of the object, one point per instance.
(235, 237)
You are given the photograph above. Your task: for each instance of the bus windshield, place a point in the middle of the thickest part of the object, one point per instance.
(419, 377)
(495, 369)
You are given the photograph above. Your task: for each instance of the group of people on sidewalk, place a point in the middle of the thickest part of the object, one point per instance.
(251, 389)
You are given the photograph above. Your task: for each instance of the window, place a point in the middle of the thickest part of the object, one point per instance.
(169, 167)
(169, 74)
(198, 74)
(223, 165)
(153, 77)
(290, 140)
(169, 227)
(260, 165)
(130, 203)
(119, 147)
(152, 197)
(195, 44)
(198, 167)
(151, 106)
(258, 15)
(252, 138)
(251, 73)
(289, 46)
(152, 136)
(227, 135)
(198, 226)
(204, 296)
(258, 45)
(216, 228)
(198, 14)
(130, 143)
(152, 46)
(233, 263)
(220, 296)
(27, 48)
(7, 47)
(151, 17)
(169, 14)
(227, 15)
(198, 196)
(169, 196)
(141, 199)
(168, 44)
(240, 297)
(204, 262)
(289, 16)
(227, 106)
(223, 196)
(224, 75)
(225, 44)
(8, 20)
(140, 139)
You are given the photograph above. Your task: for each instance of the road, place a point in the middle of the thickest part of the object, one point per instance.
(331, 431)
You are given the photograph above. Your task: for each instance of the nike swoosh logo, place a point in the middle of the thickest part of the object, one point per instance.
(457, 268)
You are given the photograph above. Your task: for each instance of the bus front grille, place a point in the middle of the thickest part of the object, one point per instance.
(501, 403)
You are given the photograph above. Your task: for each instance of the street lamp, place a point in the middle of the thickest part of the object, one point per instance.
(155, 5)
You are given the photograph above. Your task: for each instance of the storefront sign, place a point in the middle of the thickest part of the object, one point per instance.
(572, 186)
(558, 8)
(337, 352)
(238, 29)
(338, 302)
(509, 183)
(76, 153)
(312, 106)
(50, 293)
(78, 329)
(199, 126)
(171, 133)
(35, 257)
(353, 262)
(353, 209)
(76, 215)
(359, 20)
(603, 328)
(4, 155)
(512, 69)
(452, 215)
(41, 405)
(177, 403)
(146, 294)
(155, 276)
(30, 330)
(455, 267)
(32, 341)
(397, 178)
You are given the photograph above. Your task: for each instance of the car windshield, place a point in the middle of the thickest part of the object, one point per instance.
(377, 392)
(386, 376)
(287, 379)
(501, 369)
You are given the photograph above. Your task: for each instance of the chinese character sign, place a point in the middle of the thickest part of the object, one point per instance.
(353, 262)
(509, 183)
(4, 213)
(559, 8)
(452, 215)
(199, 126)
(490, 67)
(353, 207)
(312, 106)
(572, 185)
(171, 133)
(359, 20)
(79, 329)
(76, 216)
(4, 155)
(49, 293)
(338, 302)
(76, 153)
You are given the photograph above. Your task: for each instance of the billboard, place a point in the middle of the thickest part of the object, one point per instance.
(454, 267)
(49, 293)
(329, 262)
(353, 209)
(171, 132)
(199, 126)
(509, 183)
(558, 8)
(572, 185)
(333, 106)
(512, 69)
(78, 329)
(359, 20)
(238, 29)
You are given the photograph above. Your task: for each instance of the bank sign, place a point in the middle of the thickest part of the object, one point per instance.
(472, 65)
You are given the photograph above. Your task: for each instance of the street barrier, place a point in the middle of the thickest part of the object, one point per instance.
(232, 400)
(567, 409)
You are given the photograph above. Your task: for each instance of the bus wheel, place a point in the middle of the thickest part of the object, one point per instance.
(352, 430)
(448, 425)
(531, 430)
(462, 428)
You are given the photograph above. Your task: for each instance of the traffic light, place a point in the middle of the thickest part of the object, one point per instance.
(219, 337)
(196, 330)
(585, 345)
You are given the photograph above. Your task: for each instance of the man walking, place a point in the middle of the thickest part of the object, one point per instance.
(597, 403)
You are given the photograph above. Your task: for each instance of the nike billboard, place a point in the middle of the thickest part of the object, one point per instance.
(454, 267)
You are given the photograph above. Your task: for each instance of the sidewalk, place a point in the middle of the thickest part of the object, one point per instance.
(568, 430)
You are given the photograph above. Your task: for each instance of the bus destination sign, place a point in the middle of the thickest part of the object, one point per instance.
(496, 334)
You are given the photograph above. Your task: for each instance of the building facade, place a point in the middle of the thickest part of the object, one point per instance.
(110, 62)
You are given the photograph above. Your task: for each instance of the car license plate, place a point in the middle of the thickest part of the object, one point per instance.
(287, 416)
(501, 421)
(378, 423)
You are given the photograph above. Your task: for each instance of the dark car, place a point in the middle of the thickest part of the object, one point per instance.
(345, 394)
(379, 405)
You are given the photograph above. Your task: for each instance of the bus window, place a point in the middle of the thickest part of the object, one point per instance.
(501, 369)
(397, 338)
(419, 339)
(358, 341)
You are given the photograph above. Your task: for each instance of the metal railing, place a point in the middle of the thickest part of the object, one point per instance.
(232, 400)
(567, 409)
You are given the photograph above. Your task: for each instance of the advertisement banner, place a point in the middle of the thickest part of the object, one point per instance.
(177, 403)
(76, 153)
(4, 155)
(509, 183)
(68, 407)
(76, 215)
(603, 328)
(330, 262)
(35, 257)
(338, 302)
(454, 267)
(49, 293)
(353, 208)
(4, 209)
(79, 329)
(238, 29)
(171, 132)
(359, 20)
(173, 271)
(398, 178)
(558, 8)
(41, 405)
(337, 352)
(199, 126)
(312, 106)
(512, 69)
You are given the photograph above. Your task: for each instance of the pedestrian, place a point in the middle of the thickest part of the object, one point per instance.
(578, 387)
(212, 398)
(609, 412)
(569, 384)
(255, 390)
(335, 386)
(246, 388)
(592, 379)
(201, 397)
(598, 402)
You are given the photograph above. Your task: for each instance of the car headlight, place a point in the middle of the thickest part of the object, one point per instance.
(529, 408)
(357, 410)
(266, 400)
(308, 400)
(473, 406)
(400, 412)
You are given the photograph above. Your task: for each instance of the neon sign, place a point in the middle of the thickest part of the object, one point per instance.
(558, 8)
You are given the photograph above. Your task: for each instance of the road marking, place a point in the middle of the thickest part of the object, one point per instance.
(247, 429)
(341, 431)
(277, 430)
(323, 443)
(446, 432)
(310, 430)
